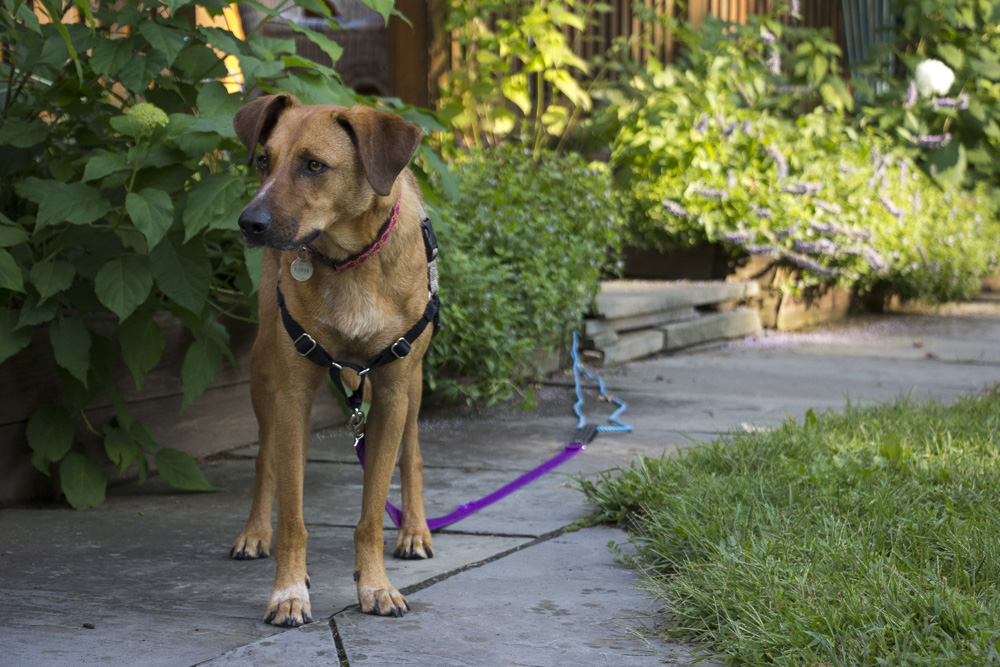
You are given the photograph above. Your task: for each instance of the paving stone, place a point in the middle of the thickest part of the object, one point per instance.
(628, 298)
(634, 345)
(711, 327)
(593, 327)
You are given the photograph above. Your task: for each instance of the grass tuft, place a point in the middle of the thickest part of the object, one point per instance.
(870, 537)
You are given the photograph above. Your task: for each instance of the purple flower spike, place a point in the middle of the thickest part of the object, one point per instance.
(731, 179)
(774, 61)
(768, 37)
(676, 209)
(934, 140)
(713, 193)
(811, 264)
(875, 260)
(747, 126)
(702, 123)
(762, 212)
(832, 209)
(818, 247)
(894, 210)
(738, 237)
(951, 103)
(779, 159)
(911, 95)
(771, 251)
(802, 188)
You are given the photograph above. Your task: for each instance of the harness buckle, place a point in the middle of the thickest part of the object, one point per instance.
(308, 339)
(404, 348)
(356, 424)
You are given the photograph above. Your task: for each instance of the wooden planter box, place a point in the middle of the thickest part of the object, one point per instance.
(219, 420)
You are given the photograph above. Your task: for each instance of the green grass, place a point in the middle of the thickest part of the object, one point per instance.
(870, 537)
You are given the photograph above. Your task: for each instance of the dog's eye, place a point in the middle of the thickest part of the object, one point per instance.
(262, 162)
(315, 166)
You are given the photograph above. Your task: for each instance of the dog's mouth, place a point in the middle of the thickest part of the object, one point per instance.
(268, 241)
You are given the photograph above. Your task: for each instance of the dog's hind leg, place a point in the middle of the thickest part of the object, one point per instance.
(414, 540)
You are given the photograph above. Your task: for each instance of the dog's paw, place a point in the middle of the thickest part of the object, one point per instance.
(413, 547)
(382, 601)
(249, 546)
(289, 607)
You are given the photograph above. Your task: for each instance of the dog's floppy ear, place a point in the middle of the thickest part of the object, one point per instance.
(385, 143)
(255, 120)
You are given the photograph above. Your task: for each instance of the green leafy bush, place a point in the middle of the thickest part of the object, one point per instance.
(701, 160)
(954, 132)
(523, 249)
(124, 197)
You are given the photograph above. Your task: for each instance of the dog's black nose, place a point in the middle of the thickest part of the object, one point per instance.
(255, 221)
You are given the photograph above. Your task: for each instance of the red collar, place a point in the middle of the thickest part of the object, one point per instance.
(361, 257)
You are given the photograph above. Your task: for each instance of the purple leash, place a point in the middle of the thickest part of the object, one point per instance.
(462, 511)
(585, 433)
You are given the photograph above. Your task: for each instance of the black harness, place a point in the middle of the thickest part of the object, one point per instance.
(307, 346)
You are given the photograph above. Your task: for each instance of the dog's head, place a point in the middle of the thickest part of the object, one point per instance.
(319, 166)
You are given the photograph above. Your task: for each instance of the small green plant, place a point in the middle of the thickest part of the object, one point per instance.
(123, 180)
(865, 538)
(523, 249)
(520, 77)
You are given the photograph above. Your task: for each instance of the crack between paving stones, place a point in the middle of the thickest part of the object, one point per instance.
(341, 651)
(427, 583)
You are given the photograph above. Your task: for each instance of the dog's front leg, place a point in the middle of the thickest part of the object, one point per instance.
(384, 430)
(414, 539)
(289, 603)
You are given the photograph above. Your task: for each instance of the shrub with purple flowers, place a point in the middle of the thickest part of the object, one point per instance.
(841, 205)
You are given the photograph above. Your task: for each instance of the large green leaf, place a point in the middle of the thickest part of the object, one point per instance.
(142, 344)
(200, 365)
(210, 197)
(101, 164)
(11, 236)
(383, 7)
(181, 471)
(76, 203)
(50, 435)
(151, 211)
(35, 312)
(120, 447)
(109, 56)
(214, 101)
(182, 271)
(124, 283)
(168, 40)
(22, 134)
(71, 347)
(11, 276)
(51, 277)
(82, 481)
(12, 339)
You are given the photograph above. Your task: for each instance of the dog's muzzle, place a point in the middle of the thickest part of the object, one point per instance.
(256, 222)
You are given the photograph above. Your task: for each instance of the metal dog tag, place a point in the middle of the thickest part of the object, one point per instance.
(302, 268)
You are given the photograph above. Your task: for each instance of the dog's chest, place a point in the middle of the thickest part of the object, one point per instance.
(356, 313)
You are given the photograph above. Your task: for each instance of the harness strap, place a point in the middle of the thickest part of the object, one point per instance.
(308, 347)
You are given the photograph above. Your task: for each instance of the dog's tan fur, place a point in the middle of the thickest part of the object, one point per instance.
(361, 153)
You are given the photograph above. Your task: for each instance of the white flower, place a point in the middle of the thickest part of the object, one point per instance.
(933, 77)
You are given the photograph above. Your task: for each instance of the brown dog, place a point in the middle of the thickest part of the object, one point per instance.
(331, 180)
